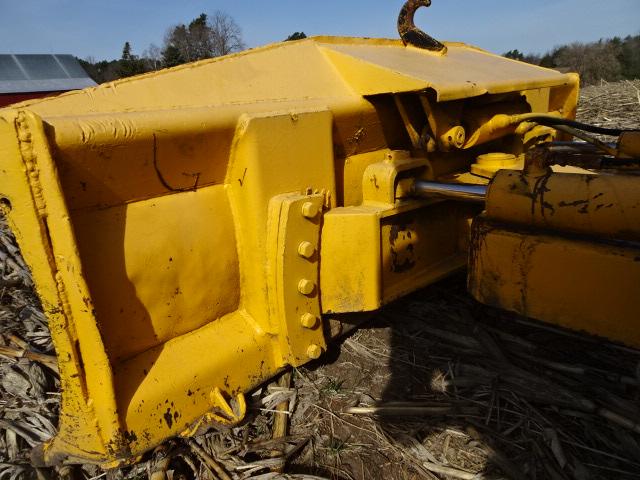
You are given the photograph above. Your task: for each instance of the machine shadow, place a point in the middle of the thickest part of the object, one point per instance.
(121, 317)
(474, 390)
(433, 404)
(414, 382)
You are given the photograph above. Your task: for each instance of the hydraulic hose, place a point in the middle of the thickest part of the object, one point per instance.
(551, 121)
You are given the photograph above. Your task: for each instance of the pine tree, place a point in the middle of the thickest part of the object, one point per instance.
(171, 56)
(129, 64)
(126, 51)
(296, 36)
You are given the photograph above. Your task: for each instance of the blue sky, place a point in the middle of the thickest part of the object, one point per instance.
(98, 28)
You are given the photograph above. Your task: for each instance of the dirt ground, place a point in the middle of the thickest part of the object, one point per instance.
(434, 386)
(470, 392)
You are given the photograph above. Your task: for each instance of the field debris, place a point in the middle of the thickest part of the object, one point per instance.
(613, 105)
(440, 386)
(435, 386)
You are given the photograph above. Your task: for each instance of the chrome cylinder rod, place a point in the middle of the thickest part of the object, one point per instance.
(453, 191)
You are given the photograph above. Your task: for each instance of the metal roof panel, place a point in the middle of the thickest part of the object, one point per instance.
(72, 66)
(41, 73)
(10, 69)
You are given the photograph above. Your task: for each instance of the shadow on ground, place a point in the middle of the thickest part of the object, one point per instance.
(438, 386)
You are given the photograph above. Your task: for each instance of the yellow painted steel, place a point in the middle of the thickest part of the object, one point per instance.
(189, 230)
(629, 144)
(392, 247)
(600, 205)
(488, 164)
(563, 248)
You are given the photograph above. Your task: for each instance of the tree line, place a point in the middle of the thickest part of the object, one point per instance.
(607, 59)
(206, 36)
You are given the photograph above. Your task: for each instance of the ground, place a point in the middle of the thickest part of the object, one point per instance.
(434, 386)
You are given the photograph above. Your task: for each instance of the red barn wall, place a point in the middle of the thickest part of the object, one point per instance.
(9, 98)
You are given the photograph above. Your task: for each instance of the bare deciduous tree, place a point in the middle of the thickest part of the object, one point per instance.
(204, 37)
(226, 34)
(594, 62)
(607, 59)
(153, 56)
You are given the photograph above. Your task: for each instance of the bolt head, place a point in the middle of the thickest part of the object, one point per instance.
(314, 351)
(306, 287)
(306, 249)
(309, 210)
(308, 320)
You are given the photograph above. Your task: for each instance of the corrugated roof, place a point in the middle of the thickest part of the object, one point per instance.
(41, 73)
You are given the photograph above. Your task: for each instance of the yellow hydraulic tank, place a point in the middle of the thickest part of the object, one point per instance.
(189, 231)
(562, 248)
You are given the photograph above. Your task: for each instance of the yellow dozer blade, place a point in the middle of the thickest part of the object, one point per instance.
(191, 231)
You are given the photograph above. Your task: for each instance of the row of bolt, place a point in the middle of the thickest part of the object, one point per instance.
(305, 286)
